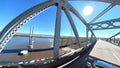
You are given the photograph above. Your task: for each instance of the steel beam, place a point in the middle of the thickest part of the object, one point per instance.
(110, 24)
(72, 25)
(91, 40)
(74, 11)
(87, 33)
(107, 1)
(57, 31)
(102, 13)
(114, 39)
(119, 43)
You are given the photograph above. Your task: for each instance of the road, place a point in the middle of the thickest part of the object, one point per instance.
(107, 52)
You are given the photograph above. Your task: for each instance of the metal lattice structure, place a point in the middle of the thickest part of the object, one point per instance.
(108, 24)
(10, 29)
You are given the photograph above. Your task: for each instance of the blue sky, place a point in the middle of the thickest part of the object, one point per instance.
(44, 22)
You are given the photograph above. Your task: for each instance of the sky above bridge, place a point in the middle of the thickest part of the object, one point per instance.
(44, 23)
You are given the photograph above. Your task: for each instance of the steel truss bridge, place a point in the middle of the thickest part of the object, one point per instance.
(10, 29)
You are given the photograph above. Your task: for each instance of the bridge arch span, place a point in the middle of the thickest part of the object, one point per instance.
(10, 29)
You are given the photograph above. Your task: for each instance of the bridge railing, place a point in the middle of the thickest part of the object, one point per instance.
(49, 62)
(114, 39)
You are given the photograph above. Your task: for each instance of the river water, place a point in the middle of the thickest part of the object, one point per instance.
(16, 44)
(23, 43)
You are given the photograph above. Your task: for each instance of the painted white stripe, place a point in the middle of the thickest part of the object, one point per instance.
(68, 62)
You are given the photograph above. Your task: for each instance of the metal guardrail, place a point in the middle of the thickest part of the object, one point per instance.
(48, 62)
(114, 40)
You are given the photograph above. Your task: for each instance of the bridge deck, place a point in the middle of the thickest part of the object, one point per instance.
(106, 51)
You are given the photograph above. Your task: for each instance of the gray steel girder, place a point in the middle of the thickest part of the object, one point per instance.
(76, 13)
(117, 2)
(108, 24)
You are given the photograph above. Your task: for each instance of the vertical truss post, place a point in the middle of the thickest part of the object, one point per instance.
(91, 40)
(110, 39)
(87, 33)
(119, 42)
(57, 32)
(114, 39)
(73, 26)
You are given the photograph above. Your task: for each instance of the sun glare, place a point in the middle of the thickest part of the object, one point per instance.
(87, 10)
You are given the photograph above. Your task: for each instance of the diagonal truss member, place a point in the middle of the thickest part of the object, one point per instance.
(102, 13)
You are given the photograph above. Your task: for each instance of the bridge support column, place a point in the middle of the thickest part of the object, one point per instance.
(119, 43)
(57, 32)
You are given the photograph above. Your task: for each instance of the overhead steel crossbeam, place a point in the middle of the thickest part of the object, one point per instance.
(102, 13)
(108, 24)
(117, 2)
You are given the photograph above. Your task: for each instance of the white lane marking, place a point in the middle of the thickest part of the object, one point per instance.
(115, 55)
(68, 62)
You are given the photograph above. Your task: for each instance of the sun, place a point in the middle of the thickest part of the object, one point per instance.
(87, 10)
